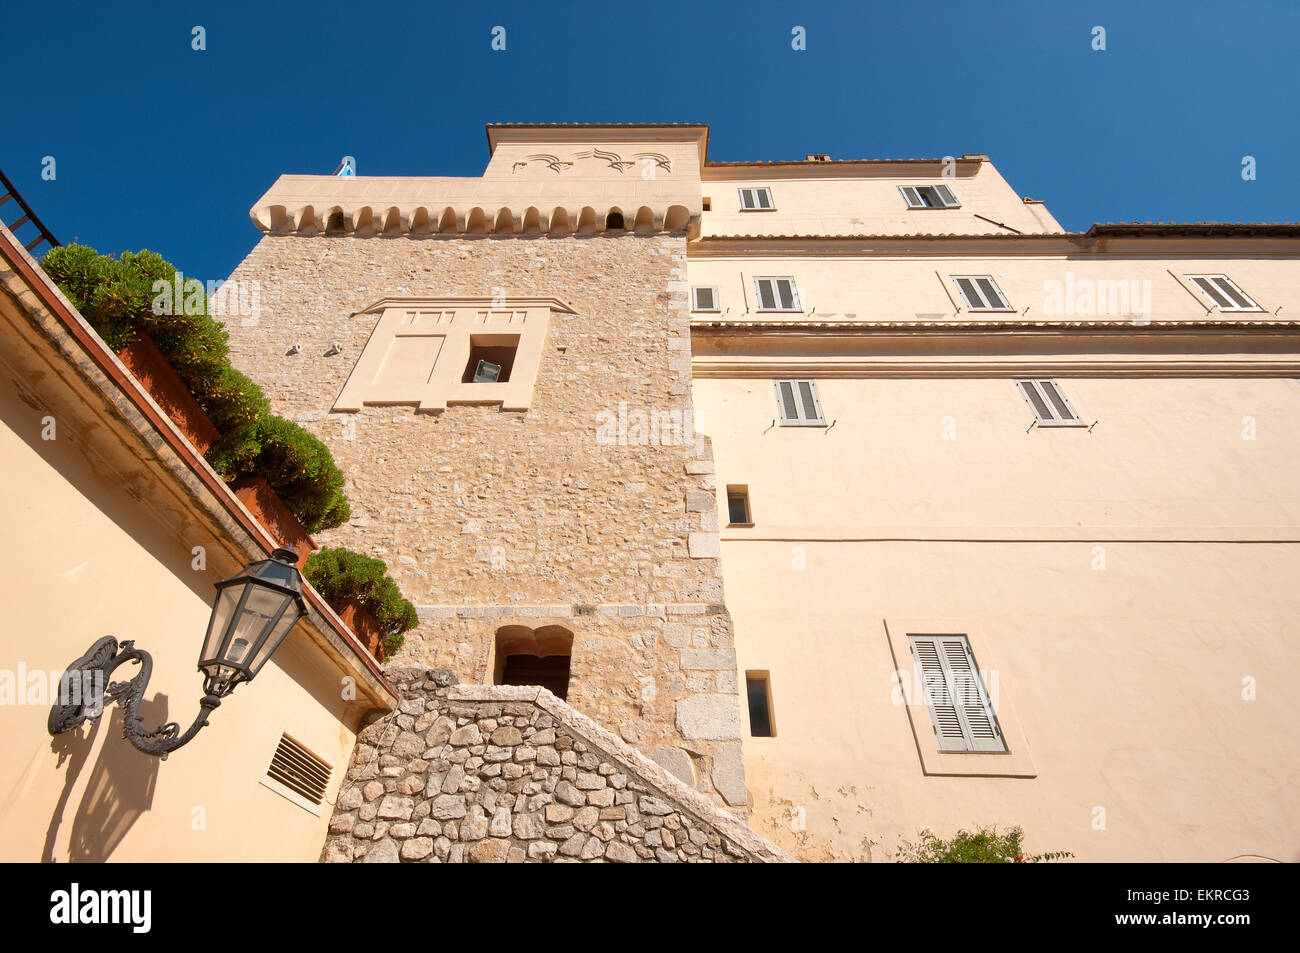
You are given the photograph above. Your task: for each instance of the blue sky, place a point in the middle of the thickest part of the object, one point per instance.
(160, 146)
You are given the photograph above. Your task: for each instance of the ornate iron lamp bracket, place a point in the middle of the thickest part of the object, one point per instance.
(85, 690)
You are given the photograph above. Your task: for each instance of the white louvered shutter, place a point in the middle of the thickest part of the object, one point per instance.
(970, 699)
(786, 295)
(946, 197)
(706, 298)
(776, 294)
(959, 707)
(982, 293)
(798, 403)
(786, 403)
(1224, 293)
(938, 700)
(912, 195)
(1048, 401)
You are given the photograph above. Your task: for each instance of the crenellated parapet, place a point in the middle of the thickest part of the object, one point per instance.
(541, 180)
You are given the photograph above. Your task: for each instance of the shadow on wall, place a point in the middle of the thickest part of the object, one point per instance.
(120, 788)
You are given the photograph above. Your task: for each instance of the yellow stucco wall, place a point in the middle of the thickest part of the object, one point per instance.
(1121, 583)
(86, 558)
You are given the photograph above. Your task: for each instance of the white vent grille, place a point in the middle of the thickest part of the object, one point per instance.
(298, 774)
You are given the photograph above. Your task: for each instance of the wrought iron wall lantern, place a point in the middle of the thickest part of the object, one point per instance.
(253, 613)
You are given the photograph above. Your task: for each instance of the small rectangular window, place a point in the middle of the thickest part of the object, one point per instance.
(1224, 293)
(798, 404)
(776, 294)
(981, 293)
(929, 196)
(756, 200)
(1046, 398)
(704, 298)
(491, 358)
(738, 513)
(954, 694)
(758, 691)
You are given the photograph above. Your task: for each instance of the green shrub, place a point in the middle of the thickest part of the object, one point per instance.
(299, 468)
(339, 574)
(116, 295)
(235, 401)
(983, 846)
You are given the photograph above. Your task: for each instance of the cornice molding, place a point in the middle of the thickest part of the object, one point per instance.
(707, 368)
(1009, 348)
(858, 328)
(488, 303)
(1136, 245)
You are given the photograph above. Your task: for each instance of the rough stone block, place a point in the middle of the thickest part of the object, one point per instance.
(705, 717)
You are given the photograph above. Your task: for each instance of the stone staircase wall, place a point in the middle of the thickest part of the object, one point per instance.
(494, 773)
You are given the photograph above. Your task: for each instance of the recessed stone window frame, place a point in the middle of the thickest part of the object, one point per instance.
(420, 349)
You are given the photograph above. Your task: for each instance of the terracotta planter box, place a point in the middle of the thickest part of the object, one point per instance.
(363, 626)
(256, 494)
(143, 359)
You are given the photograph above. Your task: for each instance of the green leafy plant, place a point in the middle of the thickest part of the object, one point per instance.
(117, 296)
(984, 845)
(339, 574)
(298, 467)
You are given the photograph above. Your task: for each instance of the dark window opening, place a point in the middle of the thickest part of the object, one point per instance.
(738, 506)
(539, 657)
(549, 673)
(758, 691)
(491, 358)
(614, 221)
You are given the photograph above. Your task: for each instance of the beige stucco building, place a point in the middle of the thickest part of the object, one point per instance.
(934, 422)
(858, 496)
(116, 525)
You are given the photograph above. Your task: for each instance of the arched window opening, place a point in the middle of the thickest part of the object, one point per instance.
(539, 657)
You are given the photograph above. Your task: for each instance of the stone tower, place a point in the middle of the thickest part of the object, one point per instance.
(561, 512)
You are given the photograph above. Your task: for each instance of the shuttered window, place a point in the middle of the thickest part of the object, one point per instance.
(705, 298)
(798, 404)
(776, 294)
(981, 293)
(954, 694)
(1224, 293)
(756, 200)
(1046, 398)
(929, 196)
(298, 774)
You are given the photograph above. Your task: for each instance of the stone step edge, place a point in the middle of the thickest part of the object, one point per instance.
(634, 761)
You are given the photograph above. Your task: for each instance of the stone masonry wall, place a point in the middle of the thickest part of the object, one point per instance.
(489, 518)
(483, 774)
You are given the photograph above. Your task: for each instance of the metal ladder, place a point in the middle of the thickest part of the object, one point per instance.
(28, 218)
